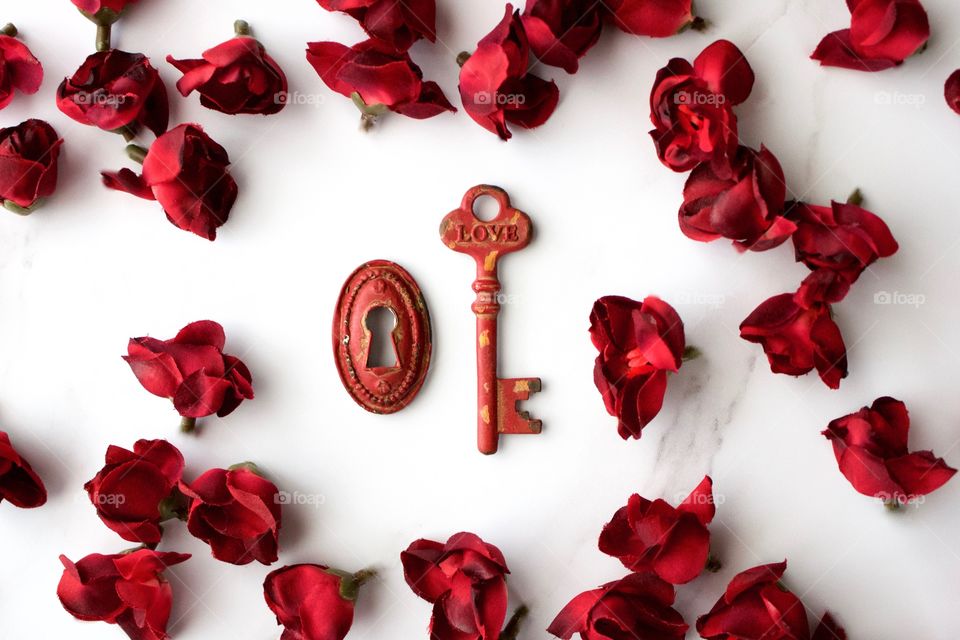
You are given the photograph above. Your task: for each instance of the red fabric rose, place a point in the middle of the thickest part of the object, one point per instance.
(192, 370)
(673, 543)
(637, 606)
(128, 491)
(495, 86)
(29, 155)
(396, 24)
(237, 513)
(311, 601)
(235, 77)
(186, 171)
(464, 580)
(91, 7)
(756, 606)
(871, 450)
(377, 77)
(882, 34)
(19, 483)
(639, 343)
(746, 206)
(19, 69)
(951, 91)
(657, 18)
(126, 589)
(561, 32)
(691, 106)
(116, 91)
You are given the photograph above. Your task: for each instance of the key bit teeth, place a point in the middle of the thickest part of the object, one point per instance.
(513, 420)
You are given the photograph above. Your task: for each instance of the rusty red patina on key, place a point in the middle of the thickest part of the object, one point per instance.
(487, 241)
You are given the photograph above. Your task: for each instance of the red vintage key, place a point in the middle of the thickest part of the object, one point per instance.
(488, 241)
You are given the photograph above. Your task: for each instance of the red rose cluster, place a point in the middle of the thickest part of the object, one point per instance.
(882, 34)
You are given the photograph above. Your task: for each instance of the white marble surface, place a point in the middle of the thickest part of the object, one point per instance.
(318, 198)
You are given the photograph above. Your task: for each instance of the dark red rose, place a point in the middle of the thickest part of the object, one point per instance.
(672, 542)
(311, 601)
(29, 154)
(639, 343)
(746, 206)
(756, 606)
(377, 78)
(116, 91)
(92, 7)
(495, 86)
(691, 106)
(236, 512)
(637, 606)
(822, 285)
(951, 91)
(657, 18)
(828, 629)
(19, 69)
(126, 589)
(186, 171)
(464, 580)
(882, 34)
(396, 24)
(235, 77)
(561, 32)
(871, 450)
(19, 483)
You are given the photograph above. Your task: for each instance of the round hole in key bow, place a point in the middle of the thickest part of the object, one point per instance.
(486, 208)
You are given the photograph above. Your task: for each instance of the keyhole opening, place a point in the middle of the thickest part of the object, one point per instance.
(380, 322)
(486, 208)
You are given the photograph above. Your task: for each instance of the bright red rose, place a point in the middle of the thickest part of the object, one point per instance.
(186, 171)
(672, 542)
(657, 18)
(236, 512)
(19, 483)
(129, 491)
(396, 24)
(126, 589)
(313, 602)
(235, 77)
(92, 7)
(464, 580)
(756, 606)
(192, 370)
(19, 69)
(377, 78)
(495, 86)
(637, 606)
(116, 91)
(29, 155)
(871, 450)
(746, 207)
(561, 32)
(882, 34)
(691, 106)
(639, 343)
(951, 91)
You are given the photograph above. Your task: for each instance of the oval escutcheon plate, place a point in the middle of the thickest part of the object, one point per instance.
(377, 386)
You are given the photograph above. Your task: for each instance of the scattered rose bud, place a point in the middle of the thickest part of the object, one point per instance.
(313, 602)
(19, 69)
(19, 483)
(828, 629)
(396, 24)
(186, 171)
(656, 18)
(29, 155)
(639, 343)
(871, 450)
(882, 34)
(951, 91)
(560, 33)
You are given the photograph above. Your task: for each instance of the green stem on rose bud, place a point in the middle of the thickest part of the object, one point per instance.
(462, 58)
(892, 505)
(136, 153)
(13, 207)
(512, 629)
(9, 29)
(103, 36)
(856, 198)
(241, 28)
(188, 425)
(249, 466)
(691, 353)
(699, 24)
(713, 564)
(363, 576)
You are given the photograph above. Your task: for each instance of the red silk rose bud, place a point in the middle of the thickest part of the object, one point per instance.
(746, 207)
(396, 24)
(756, 605)
(951, 91)
(691, 107)
(657, 18)
(235, 77)
(312, 601)
(495, 85)
(186, 171)
(19, 483)
(882, 34)
(871, 450)
(116, 91)
(672, 542)
(639, 343)
(236, 512)
(377, 78)
(29, 155)
(126, 589)
(636, 606)
(560, 33)
(131, 490)
(465, 581)
(19, 69)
